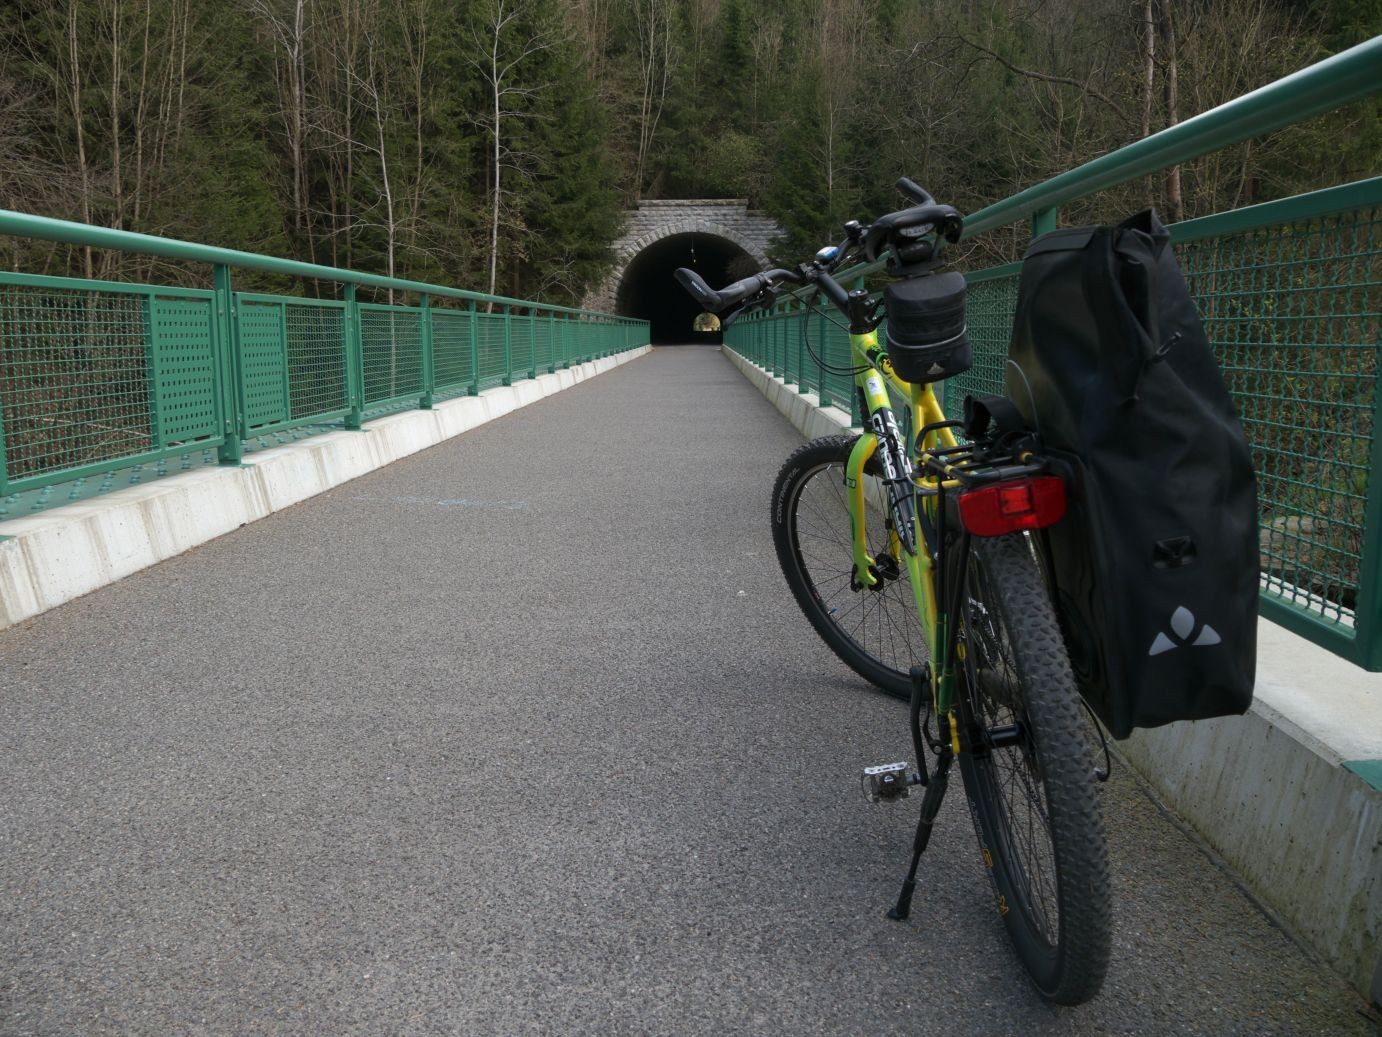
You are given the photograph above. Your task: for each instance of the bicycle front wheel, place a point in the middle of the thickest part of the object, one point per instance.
(875, 630)
(1029, 777)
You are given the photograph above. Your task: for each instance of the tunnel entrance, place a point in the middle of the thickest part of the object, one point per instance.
(648, 291)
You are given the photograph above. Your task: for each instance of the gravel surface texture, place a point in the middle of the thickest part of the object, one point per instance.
(525, 735)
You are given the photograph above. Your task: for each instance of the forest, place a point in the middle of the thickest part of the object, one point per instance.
(494, 144)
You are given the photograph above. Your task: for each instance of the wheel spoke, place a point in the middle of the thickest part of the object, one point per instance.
(881, 622)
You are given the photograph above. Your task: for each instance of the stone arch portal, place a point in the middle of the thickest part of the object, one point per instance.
(720, 239)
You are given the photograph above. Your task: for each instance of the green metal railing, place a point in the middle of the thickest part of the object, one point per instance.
(99, 376)
(1291, 297)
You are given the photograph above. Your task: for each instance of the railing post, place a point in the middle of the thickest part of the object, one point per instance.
(775, 326)
(566, 343)
(429, 370)
(508, 345)
(1368, 615)
(4, 465)
(355, 364)
(1044, 221)
(820, 357)
(232, 450)
(552, 334)
(474, 349)
(532, 344)
(802, 384)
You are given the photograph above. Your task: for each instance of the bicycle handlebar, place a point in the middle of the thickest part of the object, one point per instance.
(915, 191)
(890, 231)
(731, 295)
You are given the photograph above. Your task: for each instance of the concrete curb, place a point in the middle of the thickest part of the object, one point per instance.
(70, 551)
(1268, 791)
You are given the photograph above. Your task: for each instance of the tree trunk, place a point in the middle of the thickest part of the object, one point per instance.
(1175, 206)
(117, 173)
(78, 116)
(1149, 29)
(494, 208)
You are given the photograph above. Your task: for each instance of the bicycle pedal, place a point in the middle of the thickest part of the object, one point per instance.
(888, 781)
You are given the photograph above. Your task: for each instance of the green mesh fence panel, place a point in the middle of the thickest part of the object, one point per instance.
(521, 331)
(451, 349)
(74, 379)
(316, 359)
(990, 301)
(1293, 312)
(544, 335)
(391, 348)
(491, 349)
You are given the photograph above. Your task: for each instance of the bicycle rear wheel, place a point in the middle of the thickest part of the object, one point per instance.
(876, 630)
(1028, 775)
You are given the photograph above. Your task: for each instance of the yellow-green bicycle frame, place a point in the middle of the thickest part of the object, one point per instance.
(875, 373)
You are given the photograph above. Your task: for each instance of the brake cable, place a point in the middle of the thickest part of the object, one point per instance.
(805, 336)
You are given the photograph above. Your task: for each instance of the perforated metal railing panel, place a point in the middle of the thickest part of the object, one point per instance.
(184, 365)
(263, 366)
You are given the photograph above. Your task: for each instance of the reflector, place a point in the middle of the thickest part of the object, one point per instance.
(1009, 507)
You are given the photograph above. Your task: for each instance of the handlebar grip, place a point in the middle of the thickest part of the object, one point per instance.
(740, 290)
(915, 191)
(700, 291)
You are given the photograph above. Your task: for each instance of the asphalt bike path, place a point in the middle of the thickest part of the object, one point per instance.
(524, 734)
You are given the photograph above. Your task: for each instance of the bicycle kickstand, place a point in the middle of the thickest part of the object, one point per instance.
(930, 807)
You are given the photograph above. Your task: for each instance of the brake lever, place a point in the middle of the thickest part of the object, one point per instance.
(761, 301)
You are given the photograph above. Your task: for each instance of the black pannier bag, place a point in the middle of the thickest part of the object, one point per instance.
(926, 339)
(1155, 567)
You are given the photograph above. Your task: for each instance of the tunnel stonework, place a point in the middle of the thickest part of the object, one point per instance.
(729, 219)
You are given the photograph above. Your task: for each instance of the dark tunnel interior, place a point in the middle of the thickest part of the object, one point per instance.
(648, 290)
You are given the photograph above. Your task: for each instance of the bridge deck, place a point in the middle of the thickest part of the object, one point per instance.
(468, 745)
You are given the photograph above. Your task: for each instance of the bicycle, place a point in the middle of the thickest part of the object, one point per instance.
(975, 645)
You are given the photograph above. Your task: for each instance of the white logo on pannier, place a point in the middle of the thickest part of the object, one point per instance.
(1182, 624)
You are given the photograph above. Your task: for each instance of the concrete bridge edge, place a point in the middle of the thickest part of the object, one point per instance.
(50, 559)
(1267, 793)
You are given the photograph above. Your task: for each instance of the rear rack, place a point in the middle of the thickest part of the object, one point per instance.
(978, 462)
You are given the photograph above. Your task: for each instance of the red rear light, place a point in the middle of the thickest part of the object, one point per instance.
(1008, 507)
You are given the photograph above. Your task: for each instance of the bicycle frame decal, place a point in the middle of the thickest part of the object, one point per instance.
(917, 555)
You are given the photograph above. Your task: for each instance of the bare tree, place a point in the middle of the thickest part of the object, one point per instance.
(501, 57)
(287, 25)
(1175, 203)
(415, 30)
(839, 43)
(72, 80)
(655, 25)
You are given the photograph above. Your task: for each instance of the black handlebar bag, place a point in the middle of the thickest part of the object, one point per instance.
(1155, 567)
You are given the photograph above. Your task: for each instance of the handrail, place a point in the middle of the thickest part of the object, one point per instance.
(44, 228)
